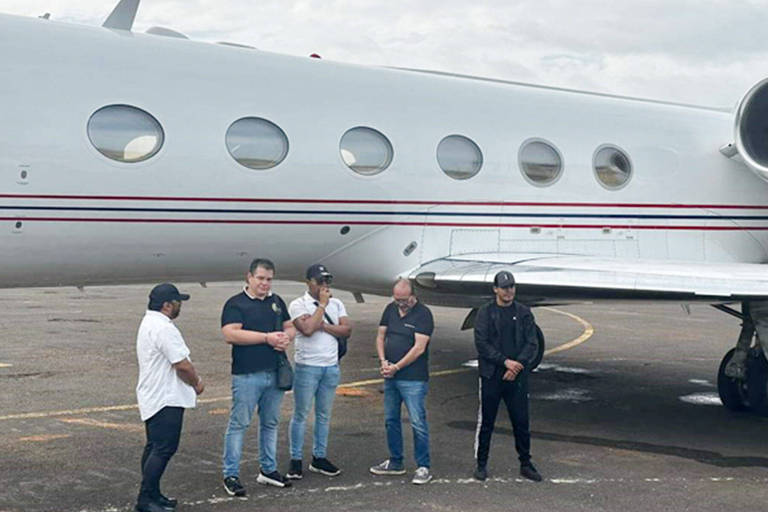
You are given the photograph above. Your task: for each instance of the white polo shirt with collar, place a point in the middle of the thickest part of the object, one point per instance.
(159, 345)
(320, 349)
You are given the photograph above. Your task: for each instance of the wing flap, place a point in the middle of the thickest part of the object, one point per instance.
(547, 277)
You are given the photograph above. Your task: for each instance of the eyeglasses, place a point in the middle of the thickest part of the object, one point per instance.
(323, 279)
(402, 302)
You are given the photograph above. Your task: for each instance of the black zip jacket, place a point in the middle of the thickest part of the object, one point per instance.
(488, 338)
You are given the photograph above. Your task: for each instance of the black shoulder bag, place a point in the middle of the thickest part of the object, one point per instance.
(284, 370)
(342, 342)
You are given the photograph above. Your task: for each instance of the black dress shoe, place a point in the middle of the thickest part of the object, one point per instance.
(168, 503)
(480, 473)
(151, 506)
(529, 471)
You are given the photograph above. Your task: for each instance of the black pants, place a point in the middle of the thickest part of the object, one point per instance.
(515, 396)
(163, 433)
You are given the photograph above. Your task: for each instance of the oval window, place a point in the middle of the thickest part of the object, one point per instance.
(125, 134)
(365, 150)
(459, 157)
(612, 167)
(540, 162)
(256, 143)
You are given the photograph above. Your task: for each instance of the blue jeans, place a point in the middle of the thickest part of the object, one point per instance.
(413, 393)
(248, 391)
(318, 383)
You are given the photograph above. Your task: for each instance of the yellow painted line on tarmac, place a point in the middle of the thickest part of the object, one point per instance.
(588, 332)
(43, 438)
(5, 365)
(70, 412)
(90, 422)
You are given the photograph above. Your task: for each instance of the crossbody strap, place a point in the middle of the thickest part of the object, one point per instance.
(325, 313)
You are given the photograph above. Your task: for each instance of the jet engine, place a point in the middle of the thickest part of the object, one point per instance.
(751, 128)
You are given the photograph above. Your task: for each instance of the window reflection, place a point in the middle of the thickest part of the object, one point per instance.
(124, 133)
(459, 157)
(256, 143)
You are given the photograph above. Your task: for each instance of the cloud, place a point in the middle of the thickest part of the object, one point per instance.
(706, 52)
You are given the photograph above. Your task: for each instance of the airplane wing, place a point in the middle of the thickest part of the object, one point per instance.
(549, 278)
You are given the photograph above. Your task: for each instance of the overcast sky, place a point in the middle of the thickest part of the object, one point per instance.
(693, 51)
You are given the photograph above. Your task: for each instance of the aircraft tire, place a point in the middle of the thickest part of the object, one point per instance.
(540, 355)
(757, 381)
(733, 392)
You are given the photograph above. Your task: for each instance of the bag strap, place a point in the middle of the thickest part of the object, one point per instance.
(325, 313)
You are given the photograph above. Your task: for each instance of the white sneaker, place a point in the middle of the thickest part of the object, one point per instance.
(422, 476)
(387, 468)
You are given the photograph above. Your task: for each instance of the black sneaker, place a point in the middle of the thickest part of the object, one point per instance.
(324, 466)
(273, 478)
(480, 473)
(294, 470)
(529, 471)
(233, 486)
(152, 506)
(168, 503)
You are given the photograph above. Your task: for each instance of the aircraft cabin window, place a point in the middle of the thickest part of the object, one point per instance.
(459, 157)
(365, 150)
(540, 162)
(612, 167)
(125, 134)
(256, 143)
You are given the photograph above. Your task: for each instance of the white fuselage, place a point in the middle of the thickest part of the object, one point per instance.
(192, 212)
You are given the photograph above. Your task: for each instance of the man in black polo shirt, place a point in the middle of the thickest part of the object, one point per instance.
(257, 325)
(404, 332)
(506, 341)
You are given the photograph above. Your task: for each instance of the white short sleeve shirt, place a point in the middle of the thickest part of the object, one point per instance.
(320, 349)
(159, 345)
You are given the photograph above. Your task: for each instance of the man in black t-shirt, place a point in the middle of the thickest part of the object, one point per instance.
(404, 331)
(257, 325)
(507, 346)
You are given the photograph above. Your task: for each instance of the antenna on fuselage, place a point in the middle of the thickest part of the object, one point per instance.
(122, 15)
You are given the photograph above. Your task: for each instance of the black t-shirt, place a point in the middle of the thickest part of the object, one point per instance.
(400, 338)
(507, 319)
(265, 315)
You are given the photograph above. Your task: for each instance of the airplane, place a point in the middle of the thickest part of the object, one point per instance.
(135, 157)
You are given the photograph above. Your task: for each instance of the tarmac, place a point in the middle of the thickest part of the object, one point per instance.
(624, 413)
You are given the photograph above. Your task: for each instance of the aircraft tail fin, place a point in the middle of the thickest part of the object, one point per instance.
(122, 15)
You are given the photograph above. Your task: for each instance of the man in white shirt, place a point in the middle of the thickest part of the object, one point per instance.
(319, 319)
(168, 384)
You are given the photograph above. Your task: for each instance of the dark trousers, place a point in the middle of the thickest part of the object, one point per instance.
(163, 433)
(515, 396)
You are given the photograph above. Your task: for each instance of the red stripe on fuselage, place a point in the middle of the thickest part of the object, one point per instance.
(379, 201)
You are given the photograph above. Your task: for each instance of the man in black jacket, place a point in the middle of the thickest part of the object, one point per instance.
(507, 345)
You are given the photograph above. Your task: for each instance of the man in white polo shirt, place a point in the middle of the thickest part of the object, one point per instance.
(168, 383)
(319, 320)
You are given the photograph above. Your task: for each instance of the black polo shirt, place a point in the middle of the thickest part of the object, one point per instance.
(263, 315)
(400, 338)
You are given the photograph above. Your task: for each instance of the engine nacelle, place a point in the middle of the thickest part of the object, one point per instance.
(751, 129)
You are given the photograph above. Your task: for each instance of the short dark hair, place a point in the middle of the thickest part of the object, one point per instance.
(155, 306)
(263, 263)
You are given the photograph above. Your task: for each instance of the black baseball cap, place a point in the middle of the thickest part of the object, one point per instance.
(318, 270)
(503, 279)
(166, 292)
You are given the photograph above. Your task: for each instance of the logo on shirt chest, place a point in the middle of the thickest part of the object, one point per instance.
(276, 308)
(410, 326)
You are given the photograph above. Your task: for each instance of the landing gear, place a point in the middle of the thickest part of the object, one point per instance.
(742, 379)
(733, 392)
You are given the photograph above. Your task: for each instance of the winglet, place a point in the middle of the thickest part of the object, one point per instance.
(122, 15)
